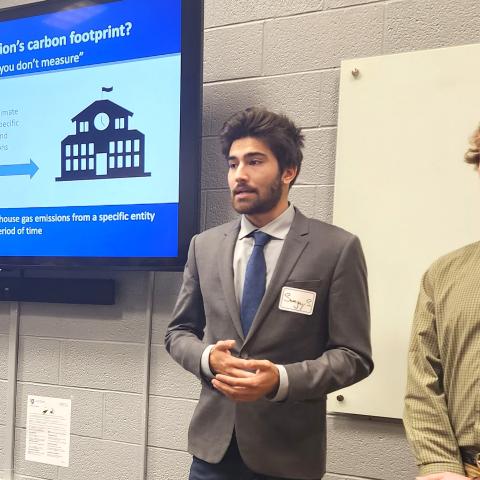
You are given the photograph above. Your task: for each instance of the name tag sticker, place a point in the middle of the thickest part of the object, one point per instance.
(297, 300)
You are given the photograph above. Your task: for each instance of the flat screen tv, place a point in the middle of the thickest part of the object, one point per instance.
(100, 112)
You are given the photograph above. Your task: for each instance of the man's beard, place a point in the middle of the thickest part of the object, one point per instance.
(260, 205)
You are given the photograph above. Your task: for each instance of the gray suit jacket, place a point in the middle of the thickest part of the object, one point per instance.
(322, 352)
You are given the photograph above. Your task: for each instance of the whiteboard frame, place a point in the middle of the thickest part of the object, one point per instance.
(402, 187)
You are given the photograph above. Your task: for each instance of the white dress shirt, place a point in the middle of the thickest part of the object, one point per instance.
(278, 230)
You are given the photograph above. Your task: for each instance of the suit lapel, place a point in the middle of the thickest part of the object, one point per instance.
(225, 267)
(295, 243)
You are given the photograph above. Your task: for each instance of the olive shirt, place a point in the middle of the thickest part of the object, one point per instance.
(442, 404)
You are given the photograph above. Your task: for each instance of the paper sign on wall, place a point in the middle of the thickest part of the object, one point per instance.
(48, 430)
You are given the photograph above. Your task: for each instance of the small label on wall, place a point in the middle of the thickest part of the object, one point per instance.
(48, 430)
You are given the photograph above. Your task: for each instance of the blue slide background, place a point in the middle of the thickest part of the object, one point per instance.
(128, 238)
(46, 104)
(156, 30)
(144, 69)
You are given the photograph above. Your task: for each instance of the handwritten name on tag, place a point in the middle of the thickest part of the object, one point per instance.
(297, 300)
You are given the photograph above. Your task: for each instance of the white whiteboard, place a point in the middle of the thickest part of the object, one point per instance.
(402, 187)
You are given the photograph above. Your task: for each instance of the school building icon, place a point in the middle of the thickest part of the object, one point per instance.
(103, 146)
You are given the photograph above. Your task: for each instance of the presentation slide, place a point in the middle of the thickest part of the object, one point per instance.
(89, 131)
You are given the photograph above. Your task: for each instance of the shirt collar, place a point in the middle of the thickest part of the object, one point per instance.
(277, 228)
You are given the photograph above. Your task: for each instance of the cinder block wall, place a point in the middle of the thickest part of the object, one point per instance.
(3, 381)
(284, 55)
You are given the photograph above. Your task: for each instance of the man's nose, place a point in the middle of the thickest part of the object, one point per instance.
(241, 173)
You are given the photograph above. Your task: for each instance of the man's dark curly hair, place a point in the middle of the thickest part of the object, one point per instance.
(278, 132)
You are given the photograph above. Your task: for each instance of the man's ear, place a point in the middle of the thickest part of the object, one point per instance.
(289, 175)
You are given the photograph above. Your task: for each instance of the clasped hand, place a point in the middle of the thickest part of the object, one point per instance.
(241, 380)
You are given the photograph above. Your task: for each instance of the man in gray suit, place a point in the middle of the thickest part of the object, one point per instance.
(272, 316)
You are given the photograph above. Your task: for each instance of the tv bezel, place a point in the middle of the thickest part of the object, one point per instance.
(189, 154)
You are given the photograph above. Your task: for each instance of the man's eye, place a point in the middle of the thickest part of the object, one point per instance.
(254, 161)
(232, 165)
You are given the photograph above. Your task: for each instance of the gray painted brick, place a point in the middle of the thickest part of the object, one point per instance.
(13, 3)
(25, 477)
(363, 447)
(169, 379)
(324, 204)
(304, 199)
(167, 464)
(3, 434)
(208, 13)
(214, 165)
(318, 166)
(296, 95)
(167, 284)
(3, 357)
(3, 403)
(4, 317)
(38, 360)
(348, 3)
(124, 321)
(329, 87)
(168, 422)
(219, 208)
(123, 417)
(161, 317)
(233, 52)
(422, 24)
(87, 407)
(25, 467)
(329, 476)
(101, 459)
(203, 212)
(107, 366)
(322, 40)
(222, 12)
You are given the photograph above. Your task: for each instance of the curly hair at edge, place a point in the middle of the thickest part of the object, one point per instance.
(473, 153)
(281, 135)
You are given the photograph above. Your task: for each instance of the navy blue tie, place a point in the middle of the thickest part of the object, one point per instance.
(255, 280)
